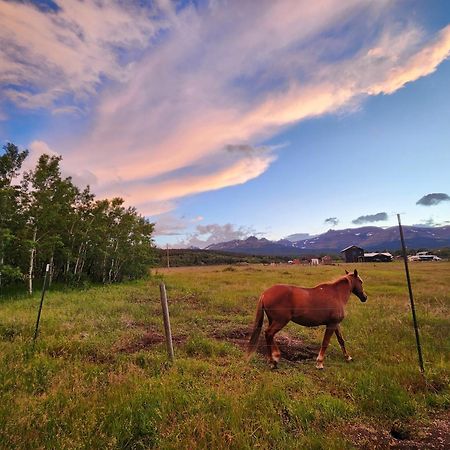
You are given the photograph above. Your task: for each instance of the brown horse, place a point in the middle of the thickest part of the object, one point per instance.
(311, 307)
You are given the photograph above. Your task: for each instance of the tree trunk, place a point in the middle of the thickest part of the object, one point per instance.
(104, 268)
(1, 265)
(110, 274)
(83, 260)
(77, 262)
(50, 275)
(32, 256)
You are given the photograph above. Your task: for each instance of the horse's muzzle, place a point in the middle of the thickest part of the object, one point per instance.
(363, 298)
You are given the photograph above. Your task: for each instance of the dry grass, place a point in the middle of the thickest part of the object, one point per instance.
(98, 377)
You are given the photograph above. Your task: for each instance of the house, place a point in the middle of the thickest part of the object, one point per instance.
(378, 257)
(353, 254)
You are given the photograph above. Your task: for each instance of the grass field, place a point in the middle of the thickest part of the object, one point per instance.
(99, 378)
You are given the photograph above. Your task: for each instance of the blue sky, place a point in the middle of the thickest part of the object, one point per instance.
(223, 119)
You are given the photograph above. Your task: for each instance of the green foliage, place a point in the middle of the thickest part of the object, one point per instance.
(10, 275)
(46, 219)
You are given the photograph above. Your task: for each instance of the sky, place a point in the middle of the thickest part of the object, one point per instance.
(221, 119)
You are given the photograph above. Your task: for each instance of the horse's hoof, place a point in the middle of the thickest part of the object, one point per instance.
(349, 359)
(319, 366)
(274, 367)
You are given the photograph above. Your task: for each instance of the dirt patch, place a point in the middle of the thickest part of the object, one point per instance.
(130, 323)
(292, 349)
(434, 435)
(149, 339)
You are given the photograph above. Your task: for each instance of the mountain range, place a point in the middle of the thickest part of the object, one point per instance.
(333, 241)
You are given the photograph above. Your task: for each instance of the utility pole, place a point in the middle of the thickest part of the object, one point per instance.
(168, 262)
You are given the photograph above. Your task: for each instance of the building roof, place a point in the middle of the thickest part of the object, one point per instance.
(377, 253)
(351, 246)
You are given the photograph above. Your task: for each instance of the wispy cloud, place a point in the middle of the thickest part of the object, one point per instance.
(379, 217)
(331, 221)
(433, 199)
(189, 107)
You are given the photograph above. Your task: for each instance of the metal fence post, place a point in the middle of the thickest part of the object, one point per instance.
(167, 330)
(411, 299)
(44, 287)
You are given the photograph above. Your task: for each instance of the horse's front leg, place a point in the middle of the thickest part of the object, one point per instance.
(326, 340)
(341, 341)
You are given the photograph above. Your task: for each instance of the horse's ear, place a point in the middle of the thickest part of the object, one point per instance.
(355, 273)
(346, 271)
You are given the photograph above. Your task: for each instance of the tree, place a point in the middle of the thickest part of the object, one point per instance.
(10, 206)
(46, 219)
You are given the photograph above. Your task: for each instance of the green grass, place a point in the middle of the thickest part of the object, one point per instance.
(99, 377)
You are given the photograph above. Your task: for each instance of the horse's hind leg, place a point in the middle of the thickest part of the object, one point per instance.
(341, 341)
(272, 347)
(326, 340)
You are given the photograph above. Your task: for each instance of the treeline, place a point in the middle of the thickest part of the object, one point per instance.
(196, 257)
(46, 219)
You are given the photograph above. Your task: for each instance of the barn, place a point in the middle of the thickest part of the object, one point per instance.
(353, 254)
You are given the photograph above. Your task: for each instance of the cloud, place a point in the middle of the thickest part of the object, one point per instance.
(36, 149)
(433, 199)
(297, 237)
(379, 217)
(194, 91)
(206, 235)
(81, 177)
(430, 223)
(47, 54)
(227, 169)
(331, 221)
(167, 224)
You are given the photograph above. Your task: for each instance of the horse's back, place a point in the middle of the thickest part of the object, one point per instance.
(280, 300)
(305, 306)
(283, 292)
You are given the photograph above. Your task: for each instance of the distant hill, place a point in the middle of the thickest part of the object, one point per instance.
(333, 241)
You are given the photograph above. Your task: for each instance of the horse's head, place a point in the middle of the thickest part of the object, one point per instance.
(357, 285)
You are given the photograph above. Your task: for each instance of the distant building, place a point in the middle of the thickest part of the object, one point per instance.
(424, 256)
(327, 260)
(353, 254)
(378, 257)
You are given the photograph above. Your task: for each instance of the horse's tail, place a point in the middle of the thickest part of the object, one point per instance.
(259, 319)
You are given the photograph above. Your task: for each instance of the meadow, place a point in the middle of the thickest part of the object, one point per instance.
(99, 377)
